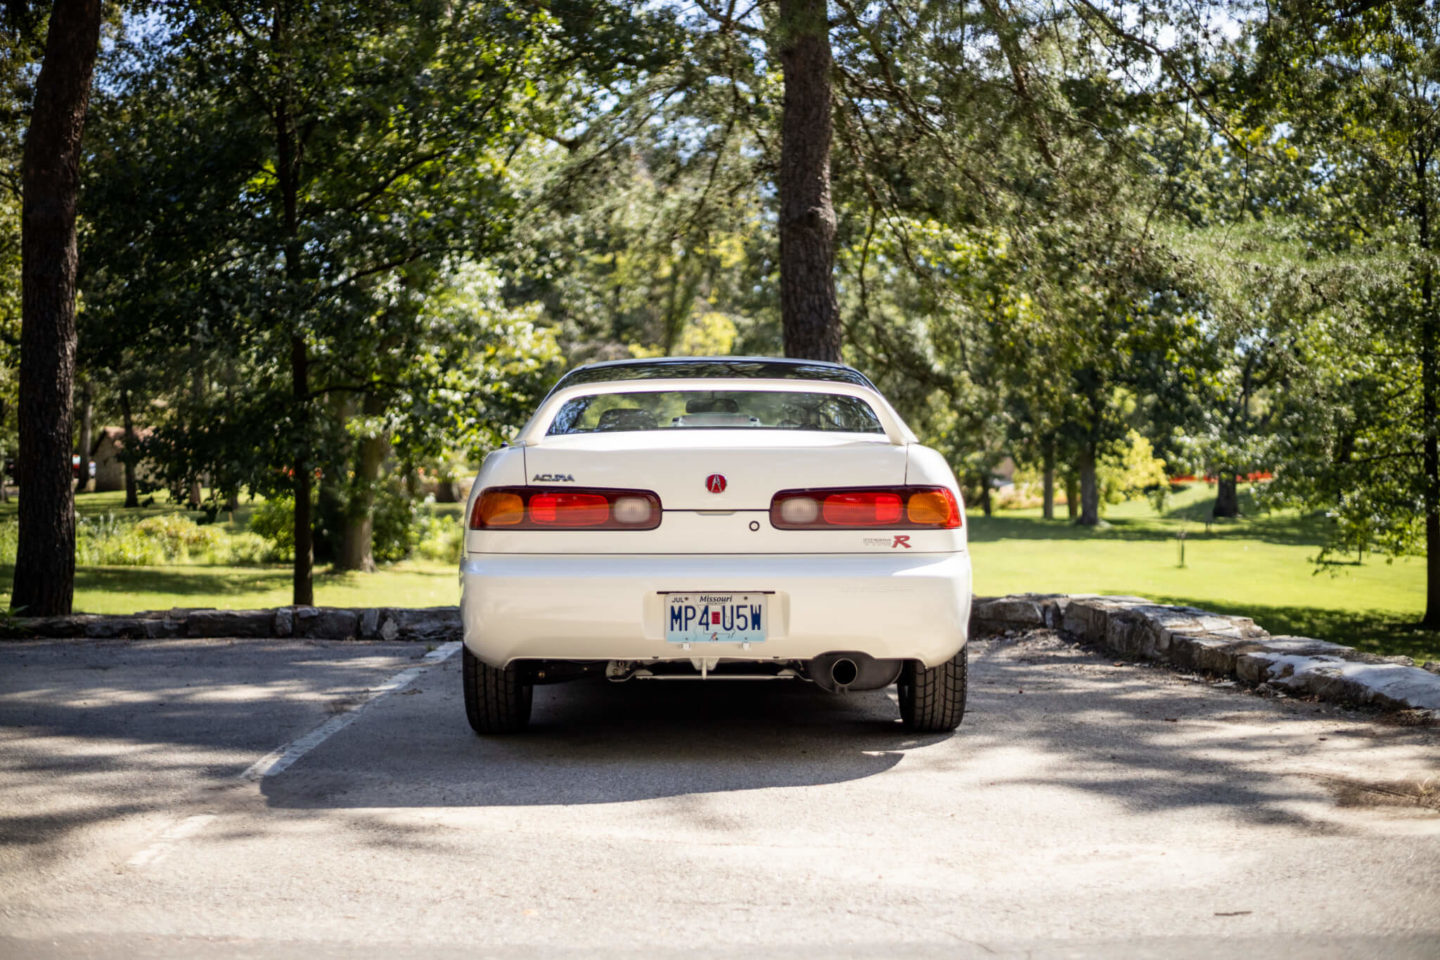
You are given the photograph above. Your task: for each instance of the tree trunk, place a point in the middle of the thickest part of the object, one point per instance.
(287, 176)
(985, 505)
(329, 515)
(197, 394)
(50, 180)
(4, 474)
(357, 546)
(1089, 488)
(809, 313)
(1430, 458)
(447, 489)
(87, 426)
(127, 449)
(1072, 497)
(1047, 509)
(303, 593)
(1227, 494)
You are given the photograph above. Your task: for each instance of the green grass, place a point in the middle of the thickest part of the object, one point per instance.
(96, 505)
(1259, 566)
(117, 589)
(412, 583)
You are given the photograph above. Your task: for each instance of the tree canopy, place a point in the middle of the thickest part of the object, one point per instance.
(331, 254)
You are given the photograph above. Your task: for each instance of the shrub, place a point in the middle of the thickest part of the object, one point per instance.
(179, 537)
(275, 521)
(399, 524)
(246, 548)
(444, 539)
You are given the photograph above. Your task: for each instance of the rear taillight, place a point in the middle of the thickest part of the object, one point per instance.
(891, 508)
(546, 508)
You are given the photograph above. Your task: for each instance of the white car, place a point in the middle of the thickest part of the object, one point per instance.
(715, 518)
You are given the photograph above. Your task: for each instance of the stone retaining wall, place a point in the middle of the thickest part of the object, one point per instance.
(319, 623)
(1220, 645)
(1186, 637)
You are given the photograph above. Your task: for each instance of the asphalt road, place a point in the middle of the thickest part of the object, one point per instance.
(1084, 809)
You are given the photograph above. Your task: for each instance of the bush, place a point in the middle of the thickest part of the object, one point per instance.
(9, 542)
(274, 520)
(444, 539)
(246, 548)
(179, 537)
(399, 524)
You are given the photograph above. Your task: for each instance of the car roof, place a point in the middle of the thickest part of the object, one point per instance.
(705, 368)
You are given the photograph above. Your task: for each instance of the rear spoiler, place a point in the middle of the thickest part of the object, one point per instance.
(533, 433)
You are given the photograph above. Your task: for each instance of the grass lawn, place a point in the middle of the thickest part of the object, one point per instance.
(1258, 566)
(123, 589)
(412, 583)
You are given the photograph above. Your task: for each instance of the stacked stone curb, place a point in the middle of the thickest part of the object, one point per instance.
(418, 624)
(1187, 637)
(1219, 645)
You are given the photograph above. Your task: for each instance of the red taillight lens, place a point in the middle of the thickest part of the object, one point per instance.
(893, 508)
(544, 508)
(862, 508)
(569, 509)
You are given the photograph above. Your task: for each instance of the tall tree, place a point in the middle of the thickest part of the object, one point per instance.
(1358, 90)
(45, 556)
(808, 308)
(351, 152)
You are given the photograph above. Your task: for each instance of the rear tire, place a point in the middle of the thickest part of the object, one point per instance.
(933, 700)
(495, 700)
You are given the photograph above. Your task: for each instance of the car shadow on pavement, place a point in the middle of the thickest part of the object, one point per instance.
(596, 742)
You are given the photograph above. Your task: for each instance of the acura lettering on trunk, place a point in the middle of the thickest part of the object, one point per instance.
(659, 566)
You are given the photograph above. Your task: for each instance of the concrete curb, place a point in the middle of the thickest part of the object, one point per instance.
(1220, 645)
(420, 624)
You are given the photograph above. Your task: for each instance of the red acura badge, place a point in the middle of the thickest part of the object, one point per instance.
(715, 483)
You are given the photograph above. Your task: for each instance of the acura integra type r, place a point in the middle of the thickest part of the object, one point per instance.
(715, 518)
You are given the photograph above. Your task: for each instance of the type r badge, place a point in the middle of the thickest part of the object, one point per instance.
(715, 483)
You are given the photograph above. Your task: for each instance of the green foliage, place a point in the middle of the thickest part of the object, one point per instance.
(274, 521)
(159, 540)
(1130, 469)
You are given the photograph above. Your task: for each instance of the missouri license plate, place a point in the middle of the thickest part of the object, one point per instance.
(716, 617)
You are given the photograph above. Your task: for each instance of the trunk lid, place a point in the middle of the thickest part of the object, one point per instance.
(677, 465)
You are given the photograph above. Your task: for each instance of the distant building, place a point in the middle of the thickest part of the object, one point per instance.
(109, 470)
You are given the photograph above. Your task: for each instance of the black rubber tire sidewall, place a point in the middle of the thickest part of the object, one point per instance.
(495, 700)
(932, 700)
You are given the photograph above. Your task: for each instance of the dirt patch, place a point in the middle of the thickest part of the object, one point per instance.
(1423, 794)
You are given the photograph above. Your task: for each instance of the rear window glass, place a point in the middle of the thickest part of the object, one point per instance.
(683, 368)
(715, 409)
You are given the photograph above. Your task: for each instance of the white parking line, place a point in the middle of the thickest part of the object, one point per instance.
(276, 761)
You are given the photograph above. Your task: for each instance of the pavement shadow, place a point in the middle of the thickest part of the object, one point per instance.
(92, 732)
(596, 742)
(1137, 734)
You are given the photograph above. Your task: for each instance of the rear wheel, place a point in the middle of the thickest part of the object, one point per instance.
(496, 701)
(932, 700)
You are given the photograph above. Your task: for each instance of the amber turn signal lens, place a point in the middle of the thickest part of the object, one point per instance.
(933, 508)
(499, 510)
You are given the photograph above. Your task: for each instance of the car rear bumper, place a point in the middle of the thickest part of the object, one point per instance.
(609, 607)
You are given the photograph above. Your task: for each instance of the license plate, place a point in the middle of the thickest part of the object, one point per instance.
(716, 617)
